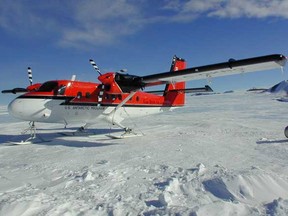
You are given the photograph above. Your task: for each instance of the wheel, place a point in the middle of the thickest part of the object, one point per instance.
(286, 131)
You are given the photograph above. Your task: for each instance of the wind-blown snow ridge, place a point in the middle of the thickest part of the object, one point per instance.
(175, 190)
(281, 87)
(187, 188)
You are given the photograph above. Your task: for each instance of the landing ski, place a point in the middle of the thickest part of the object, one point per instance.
(31, 140)
(123, 136)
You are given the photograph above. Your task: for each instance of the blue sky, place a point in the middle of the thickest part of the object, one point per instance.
(58, 37)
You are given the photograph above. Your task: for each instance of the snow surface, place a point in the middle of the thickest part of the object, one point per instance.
(222, 154)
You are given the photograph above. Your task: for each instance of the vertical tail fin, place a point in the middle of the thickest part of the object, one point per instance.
(172, 96)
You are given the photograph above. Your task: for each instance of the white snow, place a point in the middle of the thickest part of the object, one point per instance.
(222, 154)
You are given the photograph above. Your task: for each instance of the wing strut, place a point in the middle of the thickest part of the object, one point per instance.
(124, 101)
(110, 117)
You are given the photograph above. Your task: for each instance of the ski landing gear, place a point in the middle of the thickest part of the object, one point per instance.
(81, 131)
(128, 132)
(34, 138)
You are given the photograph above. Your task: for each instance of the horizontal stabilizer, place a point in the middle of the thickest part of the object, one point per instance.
(207, 88)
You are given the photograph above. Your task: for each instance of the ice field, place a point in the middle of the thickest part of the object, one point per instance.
(221, 154)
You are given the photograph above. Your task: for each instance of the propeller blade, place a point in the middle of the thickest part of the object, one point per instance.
(30, 75)
(92, 62)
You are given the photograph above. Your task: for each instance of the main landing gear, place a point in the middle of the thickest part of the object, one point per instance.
(34, 138)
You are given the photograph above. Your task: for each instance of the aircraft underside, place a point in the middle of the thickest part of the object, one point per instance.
(56, 111)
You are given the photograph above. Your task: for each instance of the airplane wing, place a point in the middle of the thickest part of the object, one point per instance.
(215, 70)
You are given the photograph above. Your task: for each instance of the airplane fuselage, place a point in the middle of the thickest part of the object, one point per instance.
(70, 102)
(54, 110)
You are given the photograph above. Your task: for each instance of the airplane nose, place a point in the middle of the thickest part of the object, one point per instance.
(15, 109)
(29, 109)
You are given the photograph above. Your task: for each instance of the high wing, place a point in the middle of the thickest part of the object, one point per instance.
(215, 70)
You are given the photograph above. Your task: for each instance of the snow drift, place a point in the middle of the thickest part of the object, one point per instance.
(281, 87)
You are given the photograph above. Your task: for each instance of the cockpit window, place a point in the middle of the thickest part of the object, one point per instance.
(48, 86)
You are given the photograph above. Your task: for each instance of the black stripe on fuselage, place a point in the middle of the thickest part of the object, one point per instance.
(67, 102)
(138, 105)
(114, 105)
(54, 97)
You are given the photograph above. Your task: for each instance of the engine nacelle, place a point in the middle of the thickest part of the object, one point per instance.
(110, 85)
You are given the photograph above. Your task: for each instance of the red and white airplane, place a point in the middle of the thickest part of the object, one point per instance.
(119, 95)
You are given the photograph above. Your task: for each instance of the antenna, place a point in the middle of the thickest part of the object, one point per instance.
(30, 75)
(92, 62)
(73, 78)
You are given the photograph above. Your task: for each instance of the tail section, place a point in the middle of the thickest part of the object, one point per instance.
(172, 96)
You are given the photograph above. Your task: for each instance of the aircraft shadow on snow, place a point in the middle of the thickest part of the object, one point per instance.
(54, 138)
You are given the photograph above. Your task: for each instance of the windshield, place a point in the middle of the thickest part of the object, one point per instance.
(48, 86)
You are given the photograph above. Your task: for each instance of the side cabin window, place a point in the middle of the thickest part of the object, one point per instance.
(79, 95)
(61, 90)
(110, 97)
(48, 86)
(88, 95)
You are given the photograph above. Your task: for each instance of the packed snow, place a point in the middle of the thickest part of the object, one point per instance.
(221, 154)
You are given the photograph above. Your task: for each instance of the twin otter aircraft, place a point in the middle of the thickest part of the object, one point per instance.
(119, 95)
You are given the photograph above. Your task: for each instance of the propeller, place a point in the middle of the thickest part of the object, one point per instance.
(30, 75)
(92, 62)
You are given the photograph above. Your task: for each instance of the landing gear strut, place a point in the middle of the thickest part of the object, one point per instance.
(33, 137)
